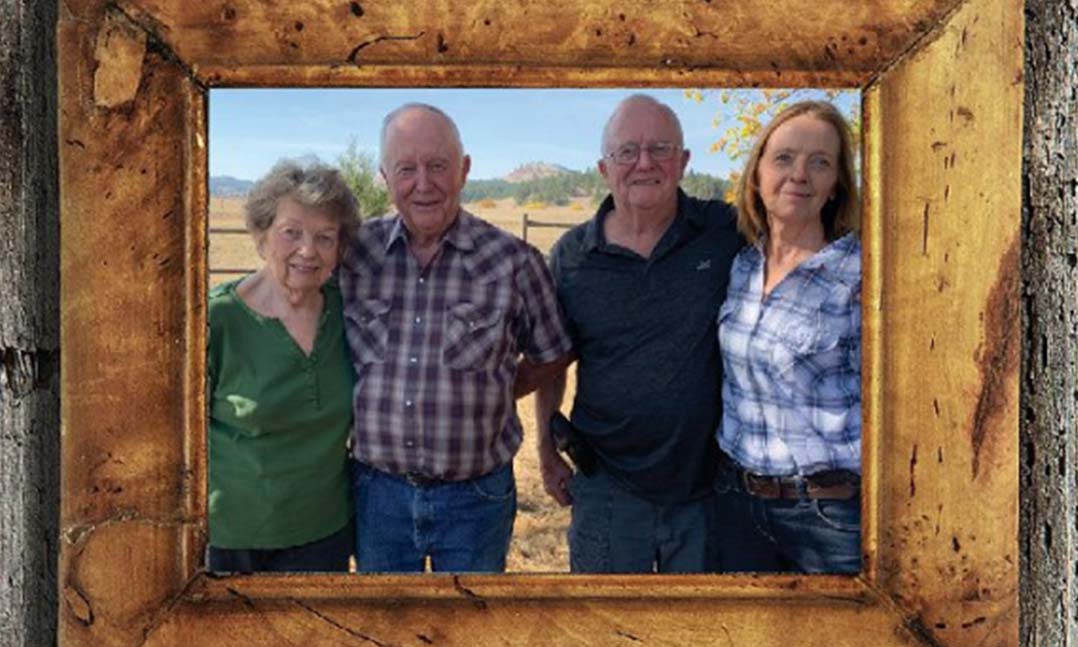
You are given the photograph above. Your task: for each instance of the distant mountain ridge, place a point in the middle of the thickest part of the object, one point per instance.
(534, 181)
(226, 186)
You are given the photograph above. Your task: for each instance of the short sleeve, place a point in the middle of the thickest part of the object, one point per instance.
(543, 336)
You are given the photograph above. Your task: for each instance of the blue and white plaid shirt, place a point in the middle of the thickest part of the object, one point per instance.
(791, 391)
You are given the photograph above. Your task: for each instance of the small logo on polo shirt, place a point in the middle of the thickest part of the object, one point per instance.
(704, 265)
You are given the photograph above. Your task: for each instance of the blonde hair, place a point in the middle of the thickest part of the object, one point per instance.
(839, 215)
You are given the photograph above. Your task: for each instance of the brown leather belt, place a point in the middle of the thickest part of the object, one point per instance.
(829, 484)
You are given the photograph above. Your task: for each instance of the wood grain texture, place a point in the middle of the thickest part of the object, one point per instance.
(123, 165)
(942, 161)
(831, 35)
(528, 623)
(948, 131)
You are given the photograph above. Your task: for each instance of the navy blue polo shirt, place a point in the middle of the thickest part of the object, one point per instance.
(649, 375)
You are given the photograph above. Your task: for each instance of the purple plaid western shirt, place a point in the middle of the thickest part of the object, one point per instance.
(435, 350)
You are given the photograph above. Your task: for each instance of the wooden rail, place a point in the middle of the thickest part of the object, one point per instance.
(528, 223)
(221, 271)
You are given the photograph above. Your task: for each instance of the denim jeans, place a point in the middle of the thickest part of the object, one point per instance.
(782, 535)
(614, 531)
(326, 555)
(461, 526)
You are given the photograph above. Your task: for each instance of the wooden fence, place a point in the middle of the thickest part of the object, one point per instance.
(526, 223)
(227, 271)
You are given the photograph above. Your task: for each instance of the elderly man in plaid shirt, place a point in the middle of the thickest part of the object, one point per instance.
(439, 308)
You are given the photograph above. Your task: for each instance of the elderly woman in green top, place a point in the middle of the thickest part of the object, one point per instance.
(280, 384)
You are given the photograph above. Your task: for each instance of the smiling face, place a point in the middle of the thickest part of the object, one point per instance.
(646, 184)
(301, 246)
(798, 169)
(425, 171)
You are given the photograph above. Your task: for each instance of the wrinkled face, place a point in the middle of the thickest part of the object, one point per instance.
(425, 171)
(646, 183)
(798, 169)
(301, 246)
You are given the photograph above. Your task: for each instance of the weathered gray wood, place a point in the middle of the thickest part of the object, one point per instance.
(1049, 467)
(29, 322)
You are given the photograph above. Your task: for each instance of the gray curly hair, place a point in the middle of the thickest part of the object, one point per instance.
(314, 185)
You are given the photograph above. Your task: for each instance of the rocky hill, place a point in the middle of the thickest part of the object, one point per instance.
(534, 171)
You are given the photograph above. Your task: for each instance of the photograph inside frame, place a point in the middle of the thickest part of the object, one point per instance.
(556, 330)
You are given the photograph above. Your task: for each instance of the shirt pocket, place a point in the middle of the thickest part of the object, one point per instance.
(474, 333)
(368, 330)
(808, 349)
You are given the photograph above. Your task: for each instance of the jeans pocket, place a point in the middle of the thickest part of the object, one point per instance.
(590, 526)
(498, 485)
(840, 514)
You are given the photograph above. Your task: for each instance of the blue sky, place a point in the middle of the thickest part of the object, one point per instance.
(250, 129)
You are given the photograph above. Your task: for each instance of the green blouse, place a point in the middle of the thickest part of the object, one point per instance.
(279, 419)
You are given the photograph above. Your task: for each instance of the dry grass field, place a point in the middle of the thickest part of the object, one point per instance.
(539, 543)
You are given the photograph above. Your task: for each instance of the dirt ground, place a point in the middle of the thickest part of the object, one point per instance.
(539, 542)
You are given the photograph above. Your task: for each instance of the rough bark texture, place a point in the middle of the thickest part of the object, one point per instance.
(1049, 466)
(29, 322)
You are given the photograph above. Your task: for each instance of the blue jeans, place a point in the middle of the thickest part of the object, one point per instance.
(462, 526)
(782, 535)
(326, 555)
(614, 531)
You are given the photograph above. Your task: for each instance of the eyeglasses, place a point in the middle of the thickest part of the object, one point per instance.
(658, 151)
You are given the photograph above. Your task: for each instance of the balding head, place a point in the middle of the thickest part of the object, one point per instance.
(390, 119)
(643, 158)
(639, 101)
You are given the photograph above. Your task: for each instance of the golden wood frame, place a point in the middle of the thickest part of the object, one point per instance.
(942, 83)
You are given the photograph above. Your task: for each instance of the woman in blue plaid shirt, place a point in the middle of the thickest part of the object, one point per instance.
(790, 334)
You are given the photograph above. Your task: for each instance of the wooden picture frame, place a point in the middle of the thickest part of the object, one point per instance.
(942, 83)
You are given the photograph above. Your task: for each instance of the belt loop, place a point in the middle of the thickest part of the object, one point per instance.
(801, 486)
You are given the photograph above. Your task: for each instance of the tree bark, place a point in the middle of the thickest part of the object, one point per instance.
(1049, 454)
(29, 324)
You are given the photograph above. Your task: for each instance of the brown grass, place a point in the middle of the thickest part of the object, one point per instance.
(539, 541)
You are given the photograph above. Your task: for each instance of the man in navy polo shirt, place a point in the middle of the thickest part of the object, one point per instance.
(640, 285)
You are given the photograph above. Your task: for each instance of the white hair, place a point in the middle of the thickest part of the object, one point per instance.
(634, 99)
(408, 107)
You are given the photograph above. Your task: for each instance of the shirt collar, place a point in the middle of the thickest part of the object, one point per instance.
(832, 259)
(461, 234)
(593, 231)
